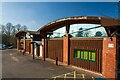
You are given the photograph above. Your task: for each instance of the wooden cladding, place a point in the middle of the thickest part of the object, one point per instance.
(87, 44)
(28, 46)
(55, 49)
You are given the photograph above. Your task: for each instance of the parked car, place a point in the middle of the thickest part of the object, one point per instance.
(2, 46)
(10, 46)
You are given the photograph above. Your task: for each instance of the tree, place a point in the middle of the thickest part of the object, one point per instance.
(87, 33)
(14, 31)
(8, 29)
(24, 27)
(80, 33)
(18, 27)
(2, 28)
(98, 34)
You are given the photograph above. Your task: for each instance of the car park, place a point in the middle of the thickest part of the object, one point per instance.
(2, 46)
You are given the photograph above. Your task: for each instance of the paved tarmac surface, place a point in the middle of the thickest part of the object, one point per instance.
(17, 65)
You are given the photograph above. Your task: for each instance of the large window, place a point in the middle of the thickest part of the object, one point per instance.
(87, 30)
(89, 55)
(79, 30)
(57, 33)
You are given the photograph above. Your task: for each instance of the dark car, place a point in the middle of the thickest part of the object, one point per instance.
(10, 46)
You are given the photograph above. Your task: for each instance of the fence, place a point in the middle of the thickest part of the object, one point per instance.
(55, 49)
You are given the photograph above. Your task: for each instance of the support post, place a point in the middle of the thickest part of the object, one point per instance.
(66, 46)
(43, 48)
(109, 58)
(24, 49)
(18, 44)
(46, 46)
(31, 46)
(33, 51)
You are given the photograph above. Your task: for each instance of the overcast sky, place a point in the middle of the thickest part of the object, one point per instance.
(36, 14)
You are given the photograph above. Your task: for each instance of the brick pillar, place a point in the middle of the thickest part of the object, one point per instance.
(109, 58)
(66, 46)
(43, 48)
(24, 44)
(18, 44)
(65, 49)
(31, 46)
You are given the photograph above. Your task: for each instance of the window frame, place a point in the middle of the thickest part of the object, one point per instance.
(88, 55)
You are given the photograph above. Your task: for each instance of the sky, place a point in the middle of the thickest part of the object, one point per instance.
(37, 14)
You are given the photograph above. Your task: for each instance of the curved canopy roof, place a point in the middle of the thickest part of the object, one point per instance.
(103, 21)
(23, 32)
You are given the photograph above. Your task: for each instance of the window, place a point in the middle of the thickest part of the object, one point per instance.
(87, 31)
(58, 33)
(89, 55)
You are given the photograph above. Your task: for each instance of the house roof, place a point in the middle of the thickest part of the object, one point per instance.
(23, 32)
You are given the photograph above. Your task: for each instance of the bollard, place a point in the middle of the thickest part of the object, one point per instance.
(57, 61)
(74, 75)
(83, 76)
(33, 56)
(65, 76)
(23, 52)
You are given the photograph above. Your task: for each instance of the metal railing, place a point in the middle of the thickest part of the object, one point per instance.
(73, 75)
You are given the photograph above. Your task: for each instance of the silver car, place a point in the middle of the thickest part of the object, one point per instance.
(2, 46)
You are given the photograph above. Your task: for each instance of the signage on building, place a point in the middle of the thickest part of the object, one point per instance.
(110, 45)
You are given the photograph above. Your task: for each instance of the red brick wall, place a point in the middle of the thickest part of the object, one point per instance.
(43, 48)
(31, 47)
(109, 58)
(18, 44)
(23, 44)
(65, 49)
(28, 48)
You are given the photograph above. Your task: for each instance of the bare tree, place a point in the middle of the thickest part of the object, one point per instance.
(87, 33)
(79, 33)
(24, 27)
(9, 29)
(18, 27)
(2, 28)
(98, 34)
(13, 31)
